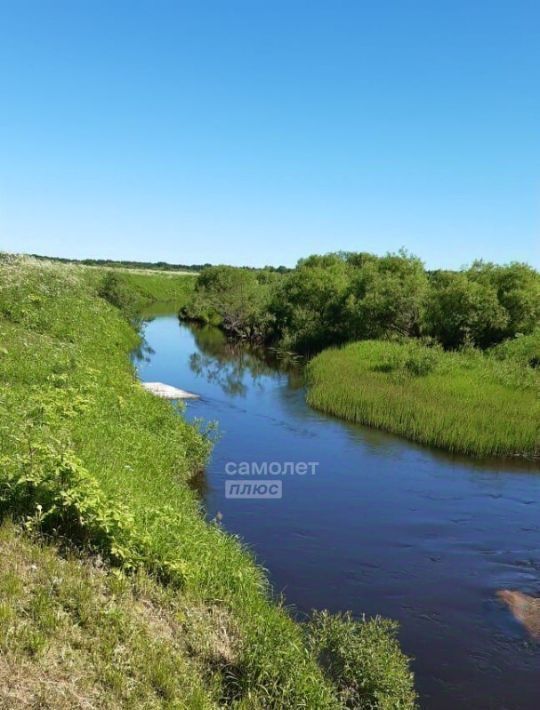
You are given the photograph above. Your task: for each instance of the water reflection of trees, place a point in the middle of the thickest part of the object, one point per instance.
(232, 365)
(144, 351)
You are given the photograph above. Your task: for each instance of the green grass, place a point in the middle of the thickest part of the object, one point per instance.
(468, 402)
(73, 633)
(90, 458)
(143, 288)
(162, 287)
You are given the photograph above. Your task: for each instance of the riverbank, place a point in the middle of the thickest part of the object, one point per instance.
(385, 526)
(91, 459)
(480, 404)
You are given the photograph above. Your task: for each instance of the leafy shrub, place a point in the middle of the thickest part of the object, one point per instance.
(118, 294)
(407, 358)
(420, 361)
(524, 349)
(363, 660)
(52, 492)
(235, 299)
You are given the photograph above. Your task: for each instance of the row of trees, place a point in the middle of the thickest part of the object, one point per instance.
(335, 298)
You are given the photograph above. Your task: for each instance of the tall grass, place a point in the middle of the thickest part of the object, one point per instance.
(467, 402)
(87, 455)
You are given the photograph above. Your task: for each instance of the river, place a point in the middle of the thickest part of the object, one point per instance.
(383, 526)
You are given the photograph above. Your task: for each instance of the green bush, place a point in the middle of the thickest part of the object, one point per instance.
(118, 294)
(235, 299)
(363, 660)
(524, 349)
(410, 358)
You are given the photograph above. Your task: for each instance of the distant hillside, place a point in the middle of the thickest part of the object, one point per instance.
(111, 263)
(145, 265)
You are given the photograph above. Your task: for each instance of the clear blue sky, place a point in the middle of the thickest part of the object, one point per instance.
(260, 131)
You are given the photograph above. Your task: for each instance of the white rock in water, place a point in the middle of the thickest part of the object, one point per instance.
(167, 391)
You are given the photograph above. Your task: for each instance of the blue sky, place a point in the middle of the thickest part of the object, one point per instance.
(259, 131)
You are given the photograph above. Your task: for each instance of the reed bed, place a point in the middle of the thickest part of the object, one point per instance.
(468, 402)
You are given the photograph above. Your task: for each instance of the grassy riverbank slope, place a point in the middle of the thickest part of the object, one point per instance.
(482, 404)
(114, 581)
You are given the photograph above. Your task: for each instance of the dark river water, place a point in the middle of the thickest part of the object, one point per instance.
(382, 527)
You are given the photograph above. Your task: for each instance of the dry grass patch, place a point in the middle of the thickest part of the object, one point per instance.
(74, 634)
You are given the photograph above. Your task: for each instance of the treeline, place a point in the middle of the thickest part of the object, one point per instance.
(340, 297)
